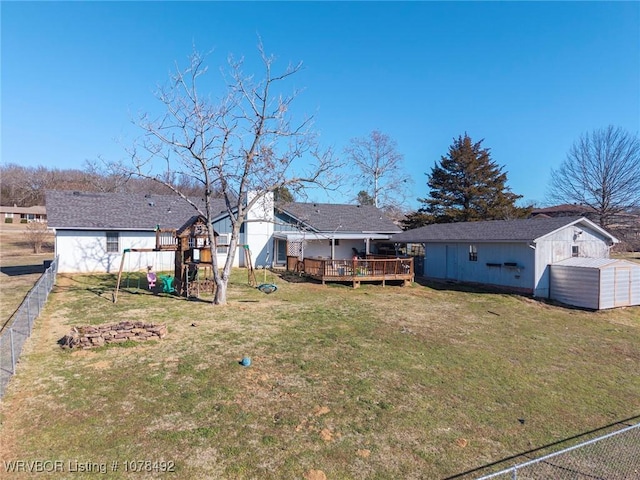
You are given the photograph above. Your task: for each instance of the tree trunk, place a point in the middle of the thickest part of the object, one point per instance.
(220, 297)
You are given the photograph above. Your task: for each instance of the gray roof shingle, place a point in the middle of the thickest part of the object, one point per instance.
(523, 230)
(117, 211)
(329, 217)
(130, 211)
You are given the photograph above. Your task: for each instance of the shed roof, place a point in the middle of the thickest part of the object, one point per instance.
(329, 217)
(585, 262)
(117, 211)
(521, 230)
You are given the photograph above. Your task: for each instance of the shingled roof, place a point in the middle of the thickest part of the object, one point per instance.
(524, 230)
(117, 211)
(329, 217)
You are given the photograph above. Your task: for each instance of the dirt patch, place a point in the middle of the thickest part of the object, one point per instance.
(315, 475)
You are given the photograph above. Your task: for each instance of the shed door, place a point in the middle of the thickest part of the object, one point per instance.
(452, 262)
(622, 286)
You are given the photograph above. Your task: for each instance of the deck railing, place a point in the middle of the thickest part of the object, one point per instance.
(366, 269)
(166, 239)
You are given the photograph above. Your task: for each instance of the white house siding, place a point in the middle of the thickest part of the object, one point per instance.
(322, 248)
(450, 261)
(259, 232)
(83, 251)
(557, 246)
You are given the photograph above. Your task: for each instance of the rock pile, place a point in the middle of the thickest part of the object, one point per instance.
(99, 335)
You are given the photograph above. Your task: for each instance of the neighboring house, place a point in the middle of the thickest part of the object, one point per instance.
(93, 229)
(565, 210)
(17, 214)
(515, 254)
(329, 231)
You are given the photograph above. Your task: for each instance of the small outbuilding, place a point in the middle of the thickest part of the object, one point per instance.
(595, 283)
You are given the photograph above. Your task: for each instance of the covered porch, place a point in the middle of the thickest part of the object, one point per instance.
(369, 269)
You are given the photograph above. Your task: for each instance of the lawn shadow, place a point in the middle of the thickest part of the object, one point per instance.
(23, 270)
(453, 286)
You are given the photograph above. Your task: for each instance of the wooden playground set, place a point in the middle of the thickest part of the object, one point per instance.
(193, 268)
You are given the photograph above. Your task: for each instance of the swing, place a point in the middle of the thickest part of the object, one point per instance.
(167, 284)
(151, 278)
(267, 287)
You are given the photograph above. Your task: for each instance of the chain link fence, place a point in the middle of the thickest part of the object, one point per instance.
(19, 327)
(614, 456)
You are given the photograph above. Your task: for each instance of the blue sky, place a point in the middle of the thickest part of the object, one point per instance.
(527, 77)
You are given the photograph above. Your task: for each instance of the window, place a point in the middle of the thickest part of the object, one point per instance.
(113, 242)
(473, 253)
(575, 250)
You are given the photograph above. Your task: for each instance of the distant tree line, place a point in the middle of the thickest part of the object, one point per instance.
(26, 186)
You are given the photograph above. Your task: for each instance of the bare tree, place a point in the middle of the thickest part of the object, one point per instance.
(601, 171)
(37, 234)
(380, 165)
(240, 146)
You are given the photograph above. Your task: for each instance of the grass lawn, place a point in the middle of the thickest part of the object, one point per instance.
(19, 267)
(372, 383)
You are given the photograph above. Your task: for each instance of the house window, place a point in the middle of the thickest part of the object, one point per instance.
(473, 253)
(336, 242)
(575, 250)
(113, 242)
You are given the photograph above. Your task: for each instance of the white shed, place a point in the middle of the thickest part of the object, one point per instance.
(595, 283)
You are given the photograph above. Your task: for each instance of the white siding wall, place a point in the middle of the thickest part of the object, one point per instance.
(86, 252)
(259, 232)
(558, 246)
(451, 261)
(322, 248)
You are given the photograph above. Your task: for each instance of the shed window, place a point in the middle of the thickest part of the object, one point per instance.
(575, 250)
(113, 242)
(473, 253)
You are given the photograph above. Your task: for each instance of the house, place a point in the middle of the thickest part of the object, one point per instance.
(94, 229)
(565, 210)
(515, 254)
(329, 231)
(17, 214)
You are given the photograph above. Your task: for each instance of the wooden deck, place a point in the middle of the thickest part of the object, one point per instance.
(371, 269)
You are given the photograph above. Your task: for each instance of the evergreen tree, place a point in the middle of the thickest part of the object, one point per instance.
(364, 198)
(467, 185)
(283, 195)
